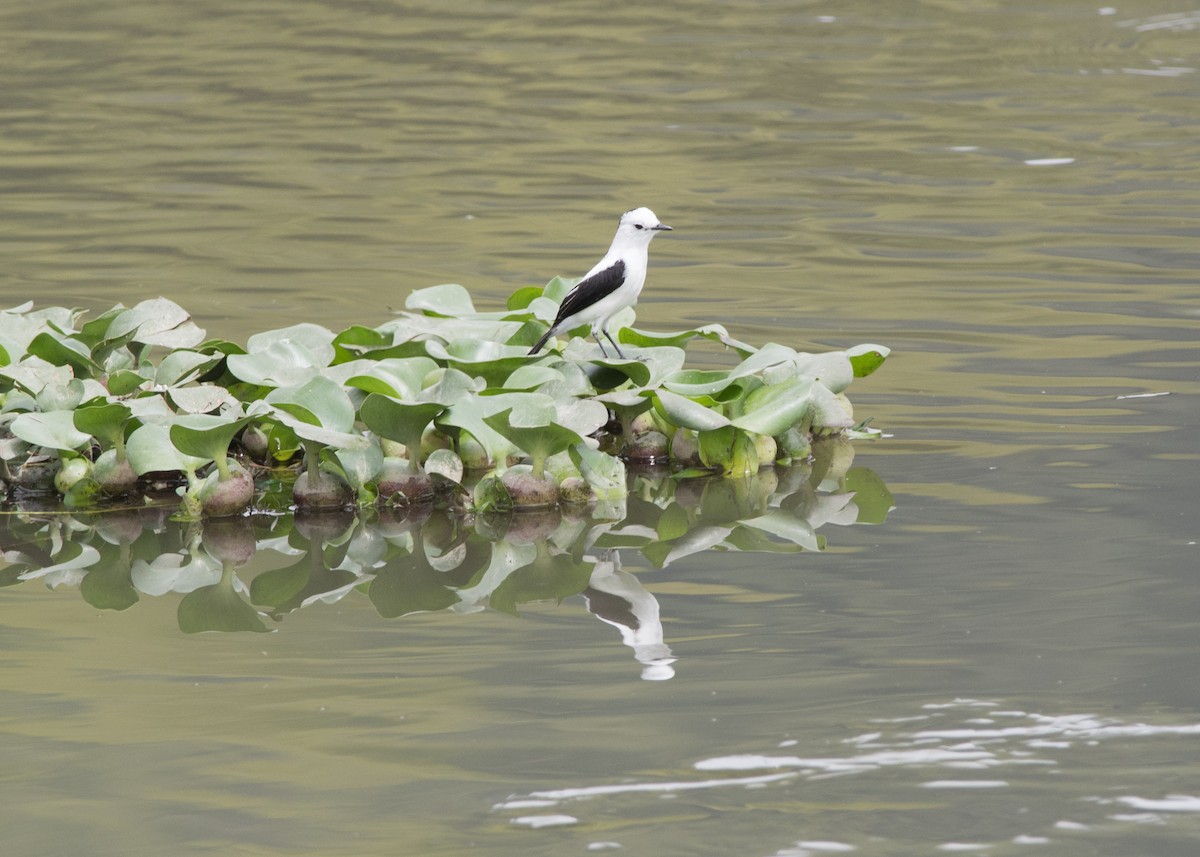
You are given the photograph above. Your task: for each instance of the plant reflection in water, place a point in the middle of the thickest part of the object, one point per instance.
(429, 560)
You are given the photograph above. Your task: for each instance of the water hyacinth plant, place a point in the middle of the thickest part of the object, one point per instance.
(438, 404)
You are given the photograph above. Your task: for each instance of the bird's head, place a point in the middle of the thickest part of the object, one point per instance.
(639, 225)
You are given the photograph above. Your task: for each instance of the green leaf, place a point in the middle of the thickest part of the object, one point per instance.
(585, 417)
(682, 412)
(182, 366)
(357, 340)
(698, 382)
(771, 410)
(124, 382)
(745, 457)
(580, 350)
(490, 495)
(730, 450)
(694, 383)
(104, 421)
(538, 441)
(680, 339)
(53, 430)
(150, 450)
(93, 332)
(222, 347)
(206, 436)
(202, 398)
(450, 386)
(833, 369)
(398, 377)
(61, 397)
(523, 297)
(282, 363)
(557, 289)
(150, 408)
(313, 433)
(450, 300)
(65, 351)
(399, 421)
(282, 442)
(313, 338)
(470, 411)
(34, 374)
(480, 357)
(373, 384)
(325, 400)
(157, 321)
(530, 377)
(826, 410)
(360, 466)
(867, 358)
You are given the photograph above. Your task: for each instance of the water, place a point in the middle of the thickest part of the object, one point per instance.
(1002, 192)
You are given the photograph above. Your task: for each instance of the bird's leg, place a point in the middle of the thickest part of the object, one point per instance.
(596, 337)
(608, 336)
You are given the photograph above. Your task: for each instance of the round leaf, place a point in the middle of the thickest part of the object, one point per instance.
(53, 430)
(206, 436)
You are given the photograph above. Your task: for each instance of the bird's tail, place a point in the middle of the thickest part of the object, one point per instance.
(538, 345)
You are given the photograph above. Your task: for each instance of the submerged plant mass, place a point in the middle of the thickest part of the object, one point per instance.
(440, 404)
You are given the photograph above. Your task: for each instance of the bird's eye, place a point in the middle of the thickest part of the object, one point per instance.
(638, 226)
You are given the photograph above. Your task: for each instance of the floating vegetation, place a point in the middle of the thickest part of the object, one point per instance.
(440, 406)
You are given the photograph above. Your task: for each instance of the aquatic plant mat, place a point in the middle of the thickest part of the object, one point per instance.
(440, 406)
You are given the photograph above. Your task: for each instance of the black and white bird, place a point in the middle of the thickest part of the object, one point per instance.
(613, 284)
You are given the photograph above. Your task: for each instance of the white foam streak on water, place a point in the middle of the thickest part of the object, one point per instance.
(854, 764)
(977, 747)
(1170, 803)
(536, 821)
(1069, 727)
(1043, 732)
(806, 848)
(1172, 21)
(629, 788)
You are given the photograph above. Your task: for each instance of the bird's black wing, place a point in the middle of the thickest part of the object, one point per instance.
(596, 287)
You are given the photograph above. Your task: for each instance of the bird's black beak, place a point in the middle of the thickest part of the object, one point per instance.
(662, 227)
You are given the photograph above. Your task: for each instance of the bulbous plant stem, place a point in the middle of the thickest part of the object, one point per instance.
(312, 461)
(412, 446)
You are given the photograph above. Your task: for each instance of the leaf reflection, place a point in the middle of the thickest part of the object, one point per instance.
(239, 574)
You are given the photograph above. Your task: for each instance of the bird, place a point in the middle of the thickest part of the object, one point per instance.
(613, 284)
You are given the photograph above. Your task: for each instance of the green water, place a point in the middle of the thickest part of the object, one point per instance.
(1004, 193)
